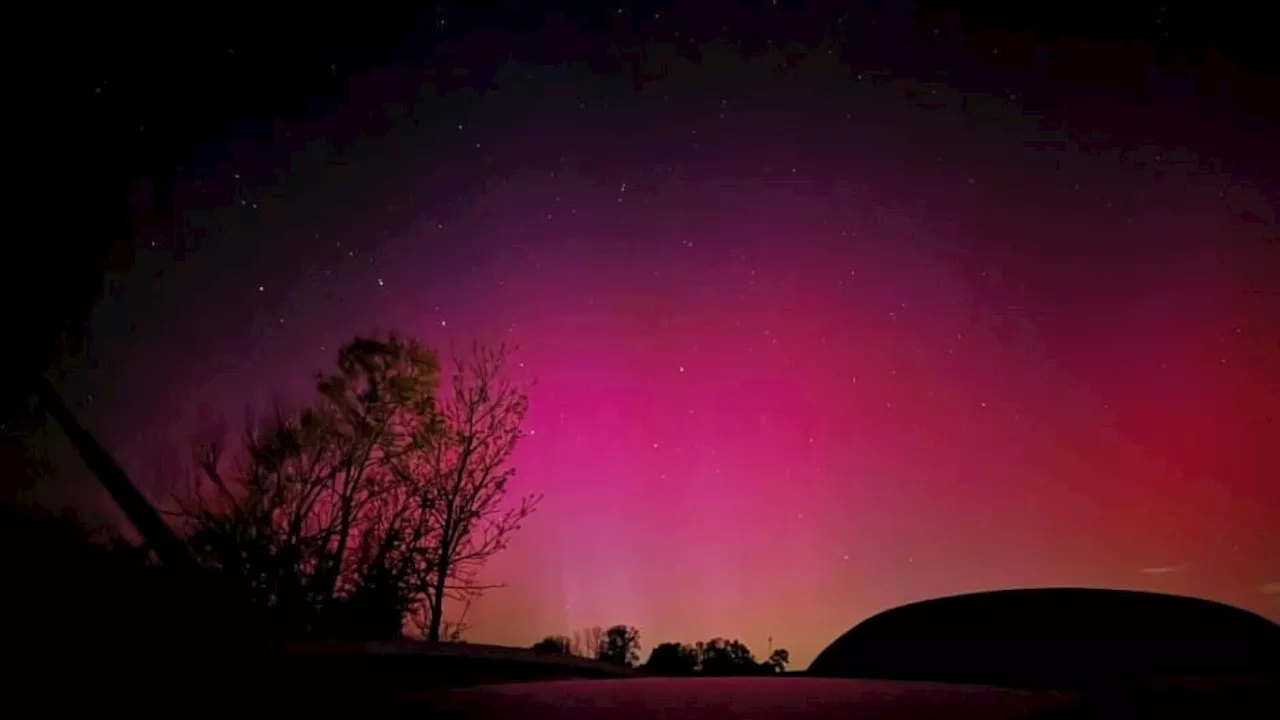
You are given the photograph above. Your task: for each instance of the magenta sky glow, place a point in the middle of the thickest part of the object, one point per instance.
(805, 349)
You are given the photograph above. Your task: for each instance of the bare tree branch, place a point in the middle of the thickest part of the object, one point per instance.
(383, 500)
(466, 452)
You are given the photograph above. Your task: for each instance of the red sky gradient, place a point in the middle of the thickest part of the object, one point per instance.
(804, 350)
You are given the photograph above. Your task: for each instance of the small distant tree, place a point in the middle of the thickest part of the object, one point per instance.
(672, 658)
(588, 643)
(778, 661)
(554, 645)
(719, 656)
(620, 646)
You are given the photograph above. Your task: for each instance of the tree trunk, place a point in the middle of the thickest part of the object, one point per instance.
(437, 606)
(441, 579)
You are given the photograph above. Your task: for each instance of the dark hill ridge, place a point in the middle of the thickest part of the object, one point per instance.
(1058, 638)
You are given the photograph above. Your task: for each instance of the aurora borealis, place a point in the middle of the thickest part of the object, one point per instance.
(816, 331)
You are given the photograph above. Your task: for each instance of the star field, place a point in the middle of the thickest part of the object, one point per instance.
(816, 330)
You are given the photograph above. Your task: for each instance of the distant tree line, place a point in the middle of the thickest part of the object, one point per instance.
(620, 645)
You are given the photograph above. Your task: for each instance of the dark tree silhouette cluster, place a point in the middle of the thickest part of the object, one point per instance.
(373, 506)
(620, 645)
(557, 645)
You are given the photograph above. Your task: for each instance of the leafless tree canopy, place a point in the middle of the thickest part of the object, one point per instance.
(373, 505)
(467, 454)
(588, 643)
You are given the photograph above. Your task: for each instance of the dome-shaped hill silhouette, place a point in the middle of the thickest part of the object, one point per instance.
(1059, 638)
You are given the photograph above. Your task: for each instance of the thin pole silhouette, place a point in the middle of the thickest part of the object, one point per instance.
(161, 538)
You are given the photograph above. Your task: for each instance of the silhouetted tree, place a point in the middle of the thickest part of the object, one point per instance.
(719, 656)
(588, 643)
(376, 524)
(465, 454)
(620, 645)
(778, 661)
(381, 499)
(672, 658)
(298, 527)
(553, 645)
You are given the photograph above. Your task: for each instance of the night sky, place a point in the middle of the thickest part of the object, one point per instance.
(869, 317)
